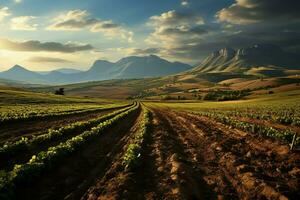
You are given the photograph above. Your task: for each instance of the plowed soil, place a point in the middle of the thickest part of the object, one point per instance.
(191, 157)
(185, 157)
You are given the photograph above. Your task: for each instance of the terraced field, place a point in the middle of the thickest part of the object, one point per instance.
(153, 151)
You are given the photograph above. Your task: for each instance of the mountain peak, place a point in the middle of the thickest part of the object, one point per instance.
(243, 59)
(154, 56)
(17, 68)
(227, 52)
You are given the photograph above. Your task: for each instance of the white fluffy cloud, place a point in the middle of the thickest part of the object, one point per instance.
(173, 18)
(173, 30)
(76, 20)
(72, 20)
(184, 3)
(172, 27)
(111, 30)
(23, 23)
(4, 12)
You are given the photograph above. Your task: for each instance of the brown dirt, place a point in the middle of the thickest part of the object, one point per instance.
(192, 157)
(256, 168)
(14, 131)
(167, 171)
(186, 157)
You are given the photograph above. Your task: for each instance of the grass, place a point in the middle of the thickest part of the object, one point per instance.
(10, 96)
(289, 99)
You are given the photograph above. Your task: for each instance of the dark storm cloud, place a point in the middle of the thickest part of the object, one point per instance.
(244, 23)
(254, 11)
(34, 45)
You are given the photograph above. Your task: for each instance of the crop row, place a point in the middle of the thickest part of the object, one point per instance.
(45, 160)
(134, 150)
(50, 113)
(25, 143)
(286, 136)
(287, 118)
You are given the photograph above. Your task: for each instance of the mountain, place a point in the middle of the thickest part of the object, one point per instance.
(19, 73)
(62, 70)
(133, 67)
(244, 59)
(150, 66)
(100, 70)
(125, 68)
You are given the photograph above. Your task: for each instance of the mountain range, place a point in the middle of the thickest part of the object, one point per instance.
(257, 60)
(125, 68)
(244, 59)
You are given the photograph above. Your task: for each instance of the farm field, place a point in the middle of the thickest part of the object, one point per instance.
(140, 100)
(151, 150)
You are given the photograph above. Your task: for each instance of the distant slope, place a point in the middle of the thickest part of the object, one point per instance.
(244, 59)
(62, 70)
(151, 66)
(68, 70)
(20, 74)
(130, 67)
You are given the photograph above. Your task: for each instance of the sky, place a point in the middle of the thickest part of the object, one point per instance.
(45, 35)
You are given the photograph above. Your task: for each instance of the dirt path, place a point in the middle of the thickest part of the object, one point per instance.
(12, 132)
(107, 186)
(77, 173)
(166, 170)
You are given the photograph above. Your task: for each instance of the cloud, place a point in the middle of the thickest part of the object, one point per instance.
(255, 11)
(248, 22)
(188, 37)
(39, 59)
(76, 20)
(4, 12)
(173, 30)
(73, 20)
(23, 23)
(172, 18)
(111, 30)
(174, 27)
(185, 3)
(18, 1)
(34, 45)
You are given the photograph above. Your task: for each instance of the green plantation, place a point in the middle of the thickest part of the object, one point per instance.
(45, 160)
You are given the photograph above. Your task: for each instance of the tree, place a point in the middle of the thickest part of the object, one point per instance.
(60, 91)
